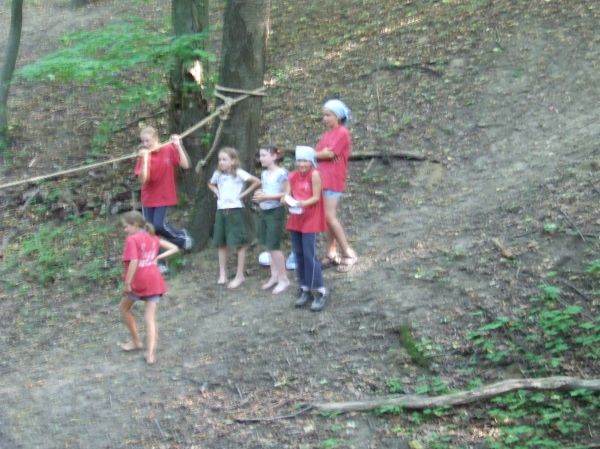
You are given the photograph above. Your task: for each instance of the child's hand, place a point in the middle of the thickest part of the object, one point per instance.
(127, 288)
(259, 196)
(176, 139)
(143, 152)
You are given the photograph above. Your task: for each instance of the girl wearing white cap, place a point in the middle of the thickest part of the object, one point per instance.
(333, 152)
(306, 219)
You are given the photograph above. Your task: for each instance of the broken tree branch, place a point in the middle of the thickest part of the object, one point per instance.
(275, 418)
(419, 402)
(504, 252)
(573, 225)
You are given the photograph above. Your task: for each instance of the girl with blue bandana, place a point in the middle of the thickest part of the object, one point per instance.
(333, 152)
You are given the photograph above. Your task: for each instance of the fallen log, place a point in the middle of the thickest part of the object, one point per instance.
(419, 402)
(366, 155)
(408, 155)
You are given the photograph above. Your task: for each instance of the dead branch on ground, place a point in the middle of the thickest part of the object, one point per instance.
(419, 402)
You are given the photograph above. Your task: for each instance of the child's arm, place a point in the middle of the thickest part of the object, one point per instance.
(316, 188)
(326, 154)
(145, 170)
(131, 269)
(260, 196)
(184, 159)
(170, 249)
(254, 184)
(214, 189)
(287, 190)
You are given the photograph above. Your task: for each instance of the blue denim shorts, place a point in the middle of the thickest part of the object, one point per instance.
(331, 194)
(134, 297)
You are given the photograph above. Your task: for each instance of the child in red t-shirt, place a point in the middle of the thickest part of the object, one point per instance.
(306, 220)
(143, 281)
(155, 170)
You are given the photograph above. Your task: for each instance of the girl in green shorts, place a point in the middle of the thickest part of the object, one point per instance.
(272, 217)
(227, 183)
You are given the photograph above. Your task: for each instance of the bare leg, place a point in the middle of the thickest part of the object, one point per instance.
(151, 331)
(129, 320)
(273, 279)
(336, 230)
(241, 266)
(278, 264)
(222, 265)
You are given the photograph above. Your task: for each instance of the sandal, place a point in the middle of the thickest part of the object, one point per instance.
(346, 264)
(329, 261)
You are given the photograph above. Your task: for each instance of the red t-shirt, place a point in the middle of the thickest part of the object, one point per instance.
(160, 189)
(147, 280)
(312, 218)
(335, 172)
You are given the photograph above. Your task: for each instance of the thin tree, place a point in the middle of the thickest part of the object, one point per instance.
(188, 106)
(8, 68)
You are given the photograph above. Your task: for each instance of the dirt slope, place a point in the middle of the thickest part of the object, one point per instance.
(505, 102)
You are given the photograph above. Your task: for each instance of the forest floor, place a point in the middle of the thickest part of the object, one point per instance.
(500, 99)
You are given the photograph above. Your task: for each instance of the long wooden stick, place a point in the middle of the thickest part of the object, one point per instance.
(419, 402)
(185, 133)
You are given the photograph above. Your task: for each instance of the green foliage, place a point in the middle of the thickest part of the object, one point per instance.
(431, 385)
(129, 59)
(551, 228)
(81, 251)
(414, 350)
(331, 443)
(494, 350)
(550, 329)
(388, 410)
(541, 419)
(549, 332)
(594, 267)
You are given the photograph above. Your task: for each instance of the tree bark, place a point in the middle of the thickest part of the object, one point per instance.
(243, 64)
(245, 28)
(8, 68)
(187, 107)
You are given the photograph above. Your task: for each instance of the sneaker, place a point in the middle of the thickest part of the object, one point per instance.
(162, 267)
(304, 298)
(290, 263)
(188, 242)
(319, 301)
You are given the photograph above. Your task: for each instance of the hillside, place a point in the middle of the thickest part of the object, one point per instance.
(499, 99)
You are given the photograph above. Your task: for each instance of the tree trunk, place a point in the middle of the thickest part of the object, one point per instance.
(188, 107)
(8, 68)
(243, 63)
(245, 28)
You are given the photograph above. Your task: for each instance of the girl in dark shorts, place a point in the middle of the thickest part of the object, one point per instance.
(227, 183)
(272, 217)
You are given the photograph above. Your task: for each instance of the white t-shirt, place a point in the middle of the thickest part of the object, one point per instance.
(230, 187)
(272, 182)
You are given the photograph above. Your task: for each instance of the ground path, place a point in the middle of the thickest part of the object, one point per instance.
(425, 261)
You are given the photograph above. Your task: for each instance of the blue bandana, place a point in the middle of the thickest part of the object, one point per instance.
(304, 153)
(341, 111)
